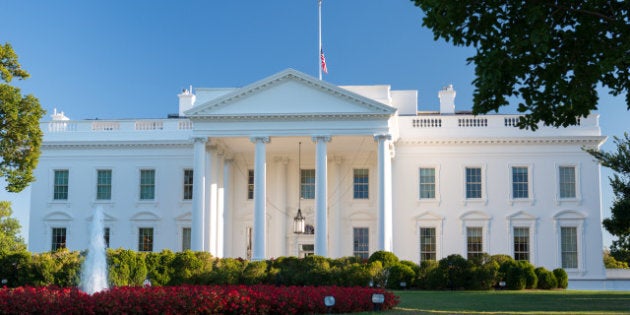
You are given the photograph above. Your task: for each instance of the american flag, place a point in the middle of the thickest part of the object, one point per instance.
(321, 56)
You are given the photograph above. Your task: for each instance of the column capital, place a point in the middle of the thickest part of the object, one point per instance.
(263, 139)
(318, 138)
(382, 137)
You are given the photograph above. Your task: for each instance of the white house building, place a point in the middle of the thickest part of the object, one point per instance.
(367, 170)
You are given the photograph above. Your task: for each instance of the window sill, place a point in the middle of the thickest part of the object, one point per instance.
(427, 201)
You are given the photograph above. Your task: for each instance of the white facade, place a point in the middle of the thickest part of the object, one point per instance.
(186, 182)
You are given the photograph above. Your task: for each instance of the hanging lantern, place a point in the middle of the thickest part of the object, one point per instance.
(298, 223)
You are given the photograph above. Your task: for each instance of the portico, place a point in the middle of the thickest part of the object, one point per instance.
(263, 123)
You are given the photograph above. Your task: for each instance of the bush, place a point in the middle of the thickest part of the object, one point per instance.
(546, 279)
(226, 271)
(400, 273)
(562, 277)
(126, 267)
(483, 277)
(190, 267)
(387, 259)
(160, 267)
(456, 270)
(255, 272)
(424, 276)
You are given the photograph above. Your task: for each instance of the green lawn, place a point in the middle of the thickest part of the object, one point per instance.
(512, 302)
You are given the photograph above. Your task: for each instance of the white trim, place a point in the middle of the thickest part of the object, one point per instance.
(530, 184)
(571, 218)
(438, 197)
(523, 219)
(484, 190)
(577, 200)
(480, 219)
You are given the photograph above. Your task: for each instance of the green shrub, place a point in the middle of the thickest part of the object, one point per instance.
(546, 279)
(317, 269)
(14, 267)
(562, 277)
(67, 268)
(456, 269)
(255, 272)
(425, 269)
(387, 259)
(190, 267)
(126, 267)
(400, 273)
(531, 280)
(483, 277)
(515, 278)
(226, 271)
(160, 267)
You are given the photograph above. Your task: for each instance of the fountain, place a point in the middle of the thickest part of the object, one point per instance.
(94, 269)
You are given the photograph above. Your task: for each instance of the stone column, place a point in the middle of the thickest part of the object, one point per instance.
(220, 203)
(260, 198)
(384, 193)
(227, 202)
(321, 196)
(198, 209)
(335, 235)
(282, 223)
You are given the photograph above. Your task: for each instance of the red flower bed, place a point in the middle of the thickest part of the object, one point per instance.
(188, 299)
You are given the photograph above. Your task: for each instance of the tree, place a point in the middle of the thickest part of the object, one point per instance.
(10, 241)
(549, 54)
(20, 136)
(619, 222)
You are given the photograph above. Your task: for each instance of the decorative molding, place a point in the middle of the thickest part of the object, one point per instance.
(113, 144)
(585, 140)
(292, 117)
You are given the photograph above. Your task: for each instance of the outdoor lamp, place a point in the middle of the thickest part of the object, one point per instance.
(298, 223)
(378, 299)
(329, 301)
(403, 285)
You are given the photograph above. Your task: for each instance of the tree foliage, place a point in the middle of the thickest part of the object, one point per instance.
(619, 222)
(20, 136)
(10, 240)
(550, 55)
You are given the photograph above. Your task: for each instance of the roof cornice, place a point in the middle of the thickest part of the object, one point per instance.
(62, 145)
(583, 140)
(292, 117)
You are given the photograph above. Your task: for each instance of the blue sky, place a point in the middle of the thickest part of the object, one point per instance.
(129, 59)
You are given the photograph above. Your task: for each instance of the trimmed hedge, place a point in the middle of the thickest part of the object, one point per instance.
(381, 270)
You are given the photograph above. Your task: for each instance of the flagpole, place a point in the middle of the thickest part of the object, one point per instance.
(319, 53)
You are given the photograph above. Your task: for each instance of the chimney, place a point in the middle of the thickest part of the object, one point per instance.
(186, 101)
(447, 100)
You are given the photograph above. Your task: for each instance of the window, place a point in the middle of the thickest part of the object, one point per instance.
(473, 182)
(250, 184)
(145, 239)
(568, 246)
(427, 244)
(186, 237)
(58, 238)
(188, 184)
(361, 183)
(60, 190)
(147, 184)
(520, 182)
(103, 184)
(567, 181)
(474, 240)
(521, 243)
(307, 184)
(427, 183)
(361, 243)
(106, 237)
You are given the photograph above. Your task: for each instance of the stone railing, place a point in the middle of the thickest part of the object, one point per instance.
(117, 125)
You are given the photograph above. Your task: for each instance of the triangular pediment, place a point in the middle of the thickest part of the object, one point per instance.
(290, 93)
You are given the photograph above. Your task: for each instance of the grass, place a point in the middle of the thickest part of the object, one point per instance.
(512, 302)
